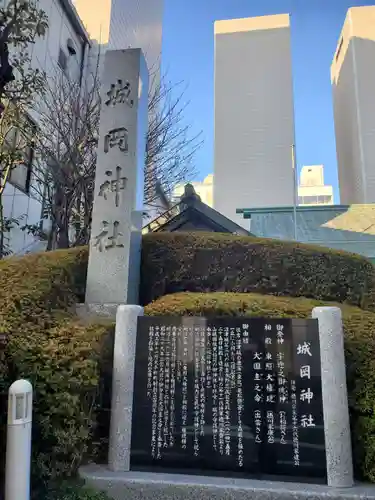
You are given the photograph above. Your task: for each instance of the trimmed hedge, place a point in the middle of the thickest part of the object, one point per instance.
(206, 262)
(359, 327)
(33, 287)
(62, 357)
(69, 362)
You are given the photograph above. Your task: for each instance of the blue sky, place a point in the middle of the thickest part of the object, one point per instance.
(316, 26)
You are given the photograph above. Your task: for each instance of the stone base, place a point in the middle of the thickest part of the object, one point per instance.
(153, 486)
(95, 312)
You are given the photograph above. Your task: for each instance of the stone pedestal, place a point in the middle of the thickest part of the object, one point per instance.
(118, 180)
(151, 486)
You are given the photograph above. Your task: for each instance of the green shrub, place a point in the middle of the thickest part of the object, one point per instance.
(212, 262)
(69, 363)
(63, 364)
(32, 287)
(62, 357)
(359, 328)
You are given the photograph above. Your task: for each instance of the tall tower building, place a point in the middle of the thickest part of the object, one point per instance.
(96, 17)
(353, 86)
(122, 24)
(254, 114)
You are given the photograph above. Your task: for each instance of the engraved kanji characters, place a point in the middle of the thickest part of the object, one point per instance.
(116, 137)
(119, 93)
(104, 242)
(306, 395)
(305, 372)
(113, 186)
(307, 421)
(304, 348)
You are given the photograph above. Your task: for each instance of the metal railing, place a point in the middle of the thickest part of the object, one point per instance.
(162, 219)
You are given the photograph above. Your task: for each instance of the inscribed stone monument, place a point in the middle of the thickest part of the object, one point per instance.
(119, 177)
(231, 394)
(257, 397)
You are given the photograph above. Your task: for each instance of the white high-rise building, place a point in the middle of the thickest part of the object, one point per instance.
(353, 86)
(254, 114)
(123, 24)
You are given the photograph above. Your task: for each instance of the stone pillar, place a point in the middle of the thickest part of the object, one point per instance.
(122, 387)
(135, 257)
(335, 397)
(119, 176)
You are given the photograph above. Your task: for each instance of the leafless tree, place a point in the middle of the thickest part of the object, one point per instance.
(66, 150)
(69, 113)
(171, 144)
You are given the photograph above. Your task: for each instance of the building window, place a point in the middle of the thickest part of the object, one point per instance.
(339, 48)
(20, 176)
(308, 200)
(324, 199)
(71, 47)
(63, 61)
(321, 199)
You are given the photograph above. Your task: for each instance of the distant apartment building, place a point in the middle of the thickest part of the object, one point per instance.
(254, 114)
(64, 49)
(353, 86)
(311, 189)
(123, 24)
(203, 189)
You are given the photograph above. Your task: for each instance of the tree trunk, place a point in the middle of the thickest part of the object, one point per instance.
(63, 234)
(2, 228)
(60, 218)
(51, 237)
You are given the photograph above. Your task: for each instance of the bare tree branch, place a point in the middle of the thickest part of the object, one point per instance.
(67, 151)
(66, 155)
(171, 144)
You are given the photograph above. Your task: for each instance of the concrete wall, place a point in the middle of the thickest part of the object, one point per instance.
(353, 83)
(349, 228)
(254, 114)
(312, 175)
(45, 54)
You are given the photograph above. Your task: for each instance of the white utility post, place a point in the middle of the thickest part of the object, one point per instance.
(295, 190)
(18, 454)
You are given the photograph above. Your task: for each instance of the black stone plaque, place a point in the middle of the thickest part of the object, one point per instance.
(229, 394)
